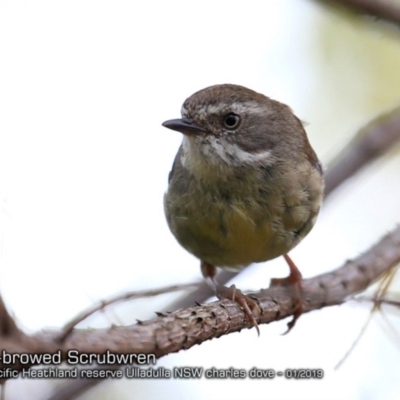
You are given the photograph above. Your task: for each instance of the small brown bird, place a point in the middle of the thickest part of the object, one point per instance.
(245, 186)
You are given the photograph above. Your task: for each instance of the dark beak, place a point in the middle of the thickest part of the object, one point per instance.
(184, 125)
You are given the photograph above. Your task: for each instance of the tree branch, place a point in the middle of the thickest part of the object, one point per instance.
(377, 138)
(7, 323)
(382, 9)
(183, 329)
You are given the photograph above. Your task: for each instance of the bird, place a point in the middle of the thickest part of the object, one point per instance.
(245, 186)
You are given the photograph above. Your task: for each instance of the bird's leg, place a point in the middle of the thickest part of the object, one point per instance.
(294, 281)
(249, 306)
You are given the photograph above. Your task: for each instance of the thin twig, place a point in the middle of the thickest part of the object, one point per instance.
(389, 329)
(100, 305)
(357, 339)
(381, 291)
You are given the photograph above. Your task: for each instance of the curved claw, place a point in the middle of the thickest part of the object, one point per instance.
(246, 302)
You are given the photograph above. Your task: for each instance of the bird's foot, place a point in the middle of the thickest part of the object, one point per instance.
(250, 306)
(295, 283)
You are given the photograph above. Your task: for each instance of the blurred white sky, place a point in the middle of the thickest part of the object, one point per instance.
(84, 88)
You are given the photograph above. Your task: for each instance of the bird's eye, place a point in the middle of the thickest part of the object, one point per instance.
(231, 121)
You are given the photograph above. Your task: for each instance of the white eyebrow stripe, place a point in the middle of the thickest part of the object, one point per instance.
(248, 106)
